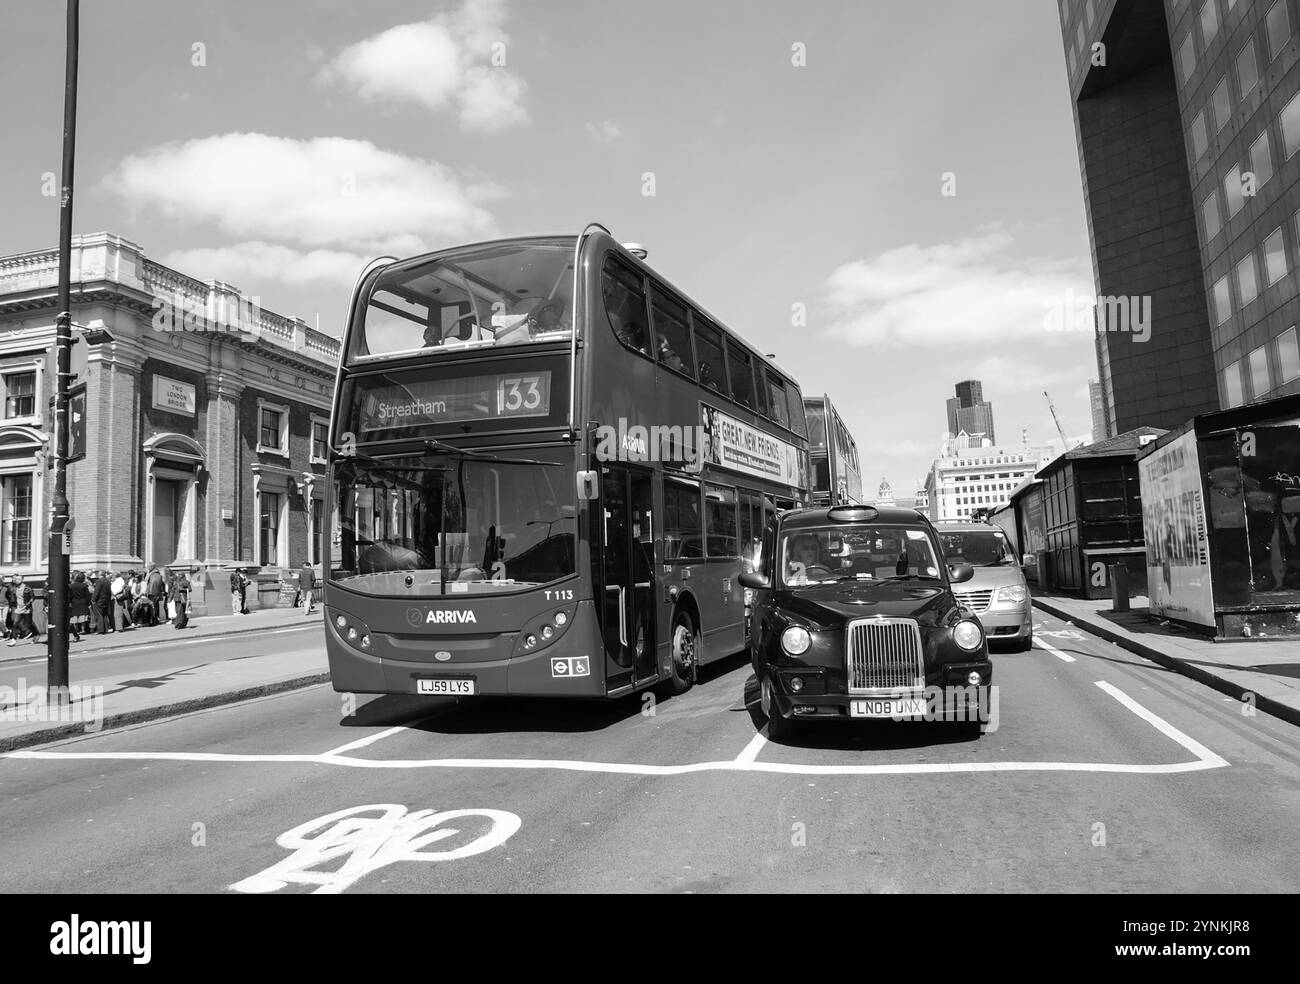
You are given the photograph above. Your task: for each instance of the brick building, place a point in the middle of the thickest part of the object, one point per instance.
(202, 418)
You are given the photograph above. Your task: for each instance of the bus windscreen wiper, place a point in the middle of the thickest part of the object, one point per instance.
(434, 446)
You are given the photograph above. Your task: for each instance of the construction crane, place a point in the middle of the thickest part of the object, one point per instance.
(1065, 443)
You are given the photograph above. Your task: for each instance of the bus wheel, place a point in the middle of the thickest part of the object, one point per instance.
(685, 652)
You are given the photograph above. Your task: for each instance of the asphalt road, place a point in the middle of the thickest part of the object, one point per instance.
(1104, 773)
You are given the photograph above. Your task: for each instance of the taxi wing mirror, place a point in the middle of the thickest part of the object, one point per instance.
(753, 579)
(957, 573)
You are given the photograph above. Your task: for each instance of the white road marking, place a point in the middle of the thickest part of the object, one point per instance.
(755, 746)
(1163, 726)
(636, 769)
(745, 762)
(370, 843)
(1053, 650)
(368, 740)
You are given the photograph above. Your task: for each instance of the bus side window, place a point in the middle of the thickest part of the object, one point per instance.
(708, 350)
(742, 374)
(760, 390)
(683, 530)
(625, 305)
(672, 335)
(776, 388)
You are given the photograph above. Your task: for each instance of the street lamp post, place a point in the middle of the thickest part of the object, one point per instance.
(57, 627)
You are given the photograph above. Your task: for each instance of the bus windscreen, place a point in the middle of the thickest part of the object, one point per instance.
(483, 296)
(443, 524)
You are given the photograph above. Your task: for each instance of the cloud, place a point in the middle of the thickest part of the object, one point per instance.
(1015, 374)
(449, 62)
(254, 262)
(606, 131)
(968, 293)
(323, 192)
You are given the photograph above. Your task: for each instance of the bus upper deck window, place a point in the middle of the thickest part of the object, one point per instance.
(742, 375)
(708, 352)
(625, 306)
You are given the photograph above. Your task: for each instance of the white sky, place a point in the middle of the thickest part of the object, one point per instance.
(317, 134)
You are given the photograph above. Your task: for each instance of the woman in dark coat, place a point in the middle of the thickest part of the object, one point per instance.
(78, 603)
(101, 596)
(178, 591)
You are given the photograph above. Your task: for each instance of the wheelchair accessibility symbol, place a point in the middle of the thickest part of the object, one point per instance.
(570, 666)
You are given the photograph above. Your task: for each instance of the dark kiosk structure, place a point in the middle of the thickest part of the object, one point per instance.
(1085, 514)
(1221, 503)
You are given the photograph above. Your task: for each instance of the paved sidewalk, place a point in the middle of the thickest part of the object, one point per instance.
(208, 625)
(134, 697)
(1264, 671)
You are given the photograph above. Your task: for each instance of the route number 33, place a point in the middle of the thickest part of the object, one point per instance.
(519, 393)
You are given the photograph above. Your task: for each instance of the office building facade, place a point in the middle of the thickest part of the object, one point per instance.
(1187, 114)
(969, 413)
(973, 476)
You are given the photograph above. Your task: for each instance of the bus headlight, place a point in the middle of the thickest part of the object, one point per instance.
(968, 635)
(354, 632)
(796, 640)
(1012, 593)
(561, 618)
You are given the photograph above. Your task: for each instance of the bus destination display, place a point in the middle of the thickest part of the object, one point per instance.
(421, 402)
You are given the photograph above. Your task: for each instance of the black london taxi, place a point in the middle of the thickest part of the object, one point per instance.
(854, 617)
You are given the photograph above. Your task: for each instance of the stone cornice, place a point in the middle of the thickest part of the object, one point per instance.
(279, 338)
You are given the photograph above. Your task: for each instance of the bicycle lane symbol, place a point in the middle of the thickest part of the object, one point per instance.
(365, 843)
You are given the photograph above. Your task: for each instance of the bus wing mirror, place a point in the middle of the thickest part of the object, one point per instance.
(587, 487)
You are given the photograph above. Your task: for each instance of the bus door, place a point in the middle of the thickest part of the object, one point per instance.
(627, 569)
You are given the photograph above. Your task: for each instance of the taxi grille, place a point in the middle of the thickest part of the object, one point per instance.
(884, 653)
(976, 600)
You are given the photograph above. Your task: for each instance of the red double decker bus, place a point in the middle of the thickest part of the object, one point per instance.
(547, 466)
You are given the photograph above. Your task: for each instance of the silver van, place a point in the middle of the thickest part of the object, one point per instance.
(997, 593)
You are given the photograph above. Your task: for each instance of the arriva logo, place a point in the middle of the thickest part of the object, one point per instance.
(449, 616)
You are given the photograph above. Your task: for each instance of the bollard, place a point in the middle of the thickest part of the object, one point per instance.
(1119, 587)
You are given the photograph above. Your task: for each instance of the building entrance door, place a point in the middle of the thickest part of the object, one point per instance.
(168, 503)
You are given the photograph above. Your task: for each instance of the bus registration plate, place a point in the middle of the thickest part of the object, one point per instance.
(894, 707)
(451, 688)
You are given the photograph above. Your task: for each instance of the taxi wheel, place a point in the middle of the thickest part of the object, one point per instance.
(778, 728)
(685, 653)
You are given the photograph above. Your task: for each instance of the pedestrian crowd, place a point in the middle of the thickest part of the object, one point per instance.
(100, 602)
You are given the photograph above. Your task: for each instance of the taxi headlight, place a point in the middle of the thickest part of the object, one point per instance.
(968, 635)
(1012, 592)
(795, 640)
